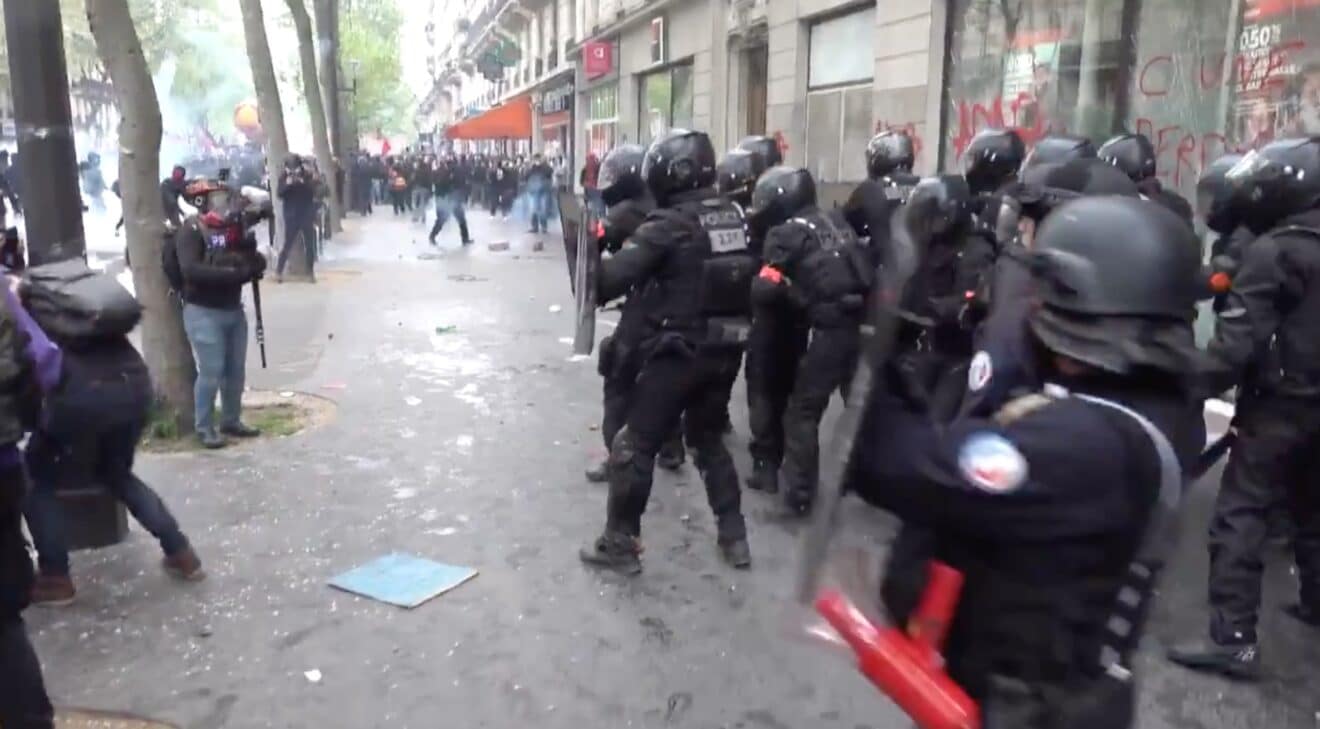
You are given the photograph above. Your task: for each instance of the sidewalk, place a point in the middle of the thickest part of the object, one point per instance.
(467, 446)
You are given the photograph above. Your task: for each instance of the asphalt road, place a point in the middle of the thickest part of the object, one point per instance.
(467, 445)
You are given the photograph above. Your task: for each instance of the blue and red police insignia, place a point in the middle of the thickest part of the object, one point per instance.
(992, 464)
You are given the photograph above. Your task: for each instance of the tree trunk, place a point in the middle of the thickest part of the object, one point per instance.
(302, 23)
(272, 123)
(164, 343)
(327, 43)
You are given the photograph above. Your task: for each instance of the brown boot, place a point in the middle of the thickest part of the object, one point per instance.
(53, 591)
(184, 565)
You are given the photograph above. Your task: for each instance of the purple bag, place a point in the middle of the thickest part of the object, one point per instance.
(45, 355)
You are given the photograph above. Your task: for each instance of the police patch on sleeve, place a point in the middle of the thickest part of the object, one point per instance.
(992, 464)
(980, 371)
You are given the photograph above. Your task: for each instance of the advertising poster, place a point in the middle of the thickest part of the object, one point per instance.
(1276, 71)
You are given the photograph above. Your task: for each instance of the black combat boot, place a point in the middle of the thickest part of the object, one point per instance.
(599, 473)
(1237, 659)
(1305, 613)
(736, 553)
(671, 455)
(614, 551)
(765, 476)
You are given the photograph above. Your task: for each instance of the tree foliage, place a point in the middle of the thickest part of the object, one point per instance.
(370, 34)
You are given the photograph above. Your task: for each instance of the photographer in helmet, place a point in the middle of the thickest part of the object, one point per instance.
(627, 204)
(815, 263)
(692, 251)
(1265, 343)
(217, 255)
(1057, 543)
(1134, 156)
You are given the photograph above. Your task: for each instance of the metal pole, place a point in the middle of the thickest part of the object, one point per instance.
(48, 162)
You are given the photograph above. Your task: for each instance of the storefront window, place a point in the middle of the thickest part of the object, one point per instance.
(665, 101)
(1198, 84)
(839, 95)
(602, 118)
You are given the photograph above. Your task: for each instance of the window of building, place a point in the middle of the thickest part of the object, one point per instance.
(1228, 77)
(602, 118)
(841, 63)
(664, 101)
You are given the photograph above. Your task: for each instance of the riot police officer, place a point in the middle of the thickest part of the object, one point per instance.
(778, 335)
(889, 180)
(1215, 206)
(1056, 149)
(1004, 363)
(627, 203)
(765, 148)
(693, 251)
(1134, 156)
(943, 302)
(990, 164)
(1265, 343)
(1046, 533)
(815, 262)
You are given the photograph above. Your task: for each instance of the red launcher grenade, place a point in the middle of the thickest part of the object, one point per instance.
(907, 665)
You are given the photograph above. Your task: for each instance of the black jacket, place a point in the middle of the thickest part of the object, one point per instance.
(670, 251)
(1266, 335)
(296, 192)
(943, 291)
(825, 268)
(1042, 530)
(871, 207)
(1157, 193)
(214, 271)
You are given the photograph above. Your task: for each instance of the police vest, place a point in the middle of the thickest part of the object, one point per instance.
(715, 271)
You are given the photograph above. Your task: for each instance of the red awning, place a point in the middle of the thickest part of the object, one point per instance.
(512, 120)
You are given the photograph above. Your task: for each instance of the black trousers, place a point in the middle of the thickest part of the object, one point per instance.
(670, 385)
(23, 700)
(619, 364)
(827, 366)
(776, 342)
(1276, 459)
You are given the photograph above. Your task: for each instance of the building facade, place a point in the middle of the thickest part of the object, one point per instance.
(822, 76)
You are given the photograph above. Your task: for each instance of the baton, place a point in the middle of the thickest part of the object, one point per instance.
(261, 325)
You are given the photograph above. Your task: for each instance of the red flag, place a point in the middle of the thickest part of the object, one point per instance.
(385, 148)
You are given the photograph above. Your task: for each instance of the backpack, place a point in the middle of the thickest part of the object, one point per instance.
(76, 305)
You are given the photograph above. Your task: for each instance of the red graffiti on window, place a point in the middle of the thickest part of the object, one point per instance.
(1252, 71)
(1022, 113)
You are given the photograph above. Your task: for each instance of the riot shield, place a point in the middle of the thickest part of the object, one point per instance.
(898, 263)
(584, 282)
(570, 217)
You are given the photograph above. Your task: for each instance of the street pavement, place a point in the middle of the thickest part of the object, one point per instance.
(467, 446)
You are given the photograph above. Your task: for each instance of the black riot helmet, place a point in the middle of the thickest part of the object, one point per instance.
(765, 148)
(1276, 181)
(1058, 148)
(678, 161)
(1116, 281)
(889, 152)
(992, 158)
(620, 176)
(938, 206)
(1045, 187)
(737, 173)
(292, 163)
(1214, 196)
(1132, 154)
(780, 193)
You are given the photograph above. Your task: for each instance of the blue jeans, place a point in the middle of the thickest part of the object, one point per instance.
(219, 343)
(421, 200)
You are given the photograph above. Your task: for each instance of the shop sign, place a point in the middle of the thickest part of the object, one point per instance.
(558, 98)
(599, 58)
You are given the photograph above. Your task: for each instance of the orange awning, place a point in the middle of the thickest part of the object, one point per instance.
(512, 120)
